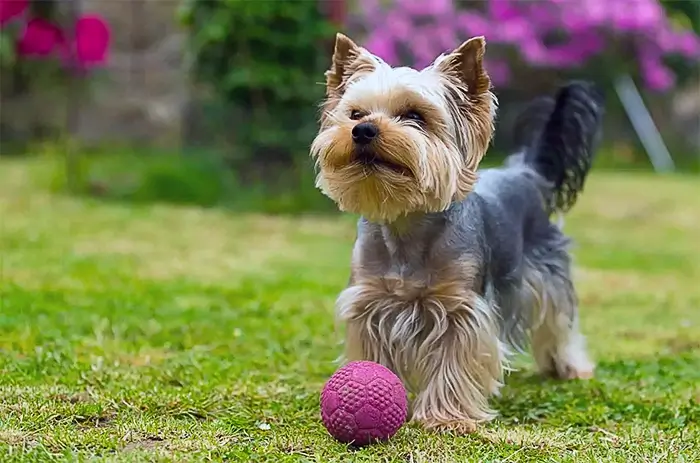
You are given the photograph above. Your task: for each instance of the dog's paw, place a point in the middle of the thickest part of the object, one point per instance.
(460, 427)
(572, 366)
(579, 367)
(568, 374)
(571, 373)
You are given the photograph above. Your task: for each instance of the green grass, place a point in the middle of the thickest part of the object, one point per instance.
(160, 333)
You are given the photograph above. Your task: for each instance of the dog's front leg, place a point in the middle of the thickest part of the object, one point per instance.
(358, 346)
(463, 369)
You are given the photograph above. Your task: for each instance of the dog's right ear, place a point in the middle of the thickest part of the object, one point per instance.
(349, 60)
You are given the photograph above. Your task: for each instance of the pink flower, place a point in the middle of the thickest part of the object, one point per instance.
(498, 70)
(623, 17)
(91, 41)
(534, 51)
(444, 39)
(546, 15)
(579, 48)
(400, 28)
(371, 12)
(424, 52)
(473, 24)
(664, 40)
(9, 9)
(685, 43)
(595, 12)
(426, 7)
(39, 38)
(649, 13)
(656, 75)
(382, 46)
(574, 30)
(514, 32)
(503, 10)
(689, 45)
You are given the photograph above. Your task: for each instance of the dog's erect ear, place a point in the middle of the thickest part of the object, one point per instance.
(348, 59)
(474, 115)
(466, 63)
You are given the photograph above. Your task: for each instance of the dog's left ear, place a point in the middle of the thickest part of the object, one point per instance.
(466, 64)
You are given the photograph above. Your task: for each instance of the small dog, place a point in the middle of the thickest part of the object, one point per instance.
(452, 271)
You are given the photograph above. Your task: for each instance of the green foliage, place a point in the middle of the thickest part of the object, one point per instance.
(194, 178)
(262, 63)
(30, 74)
(30, 78)
(685, 13)
(7, 50)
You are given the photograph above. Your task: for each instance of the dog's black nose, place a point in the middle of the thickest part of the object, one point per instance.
(364, 132)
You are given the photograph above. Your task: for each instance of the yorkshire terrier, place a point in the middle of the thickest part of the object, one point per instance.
(453, 269)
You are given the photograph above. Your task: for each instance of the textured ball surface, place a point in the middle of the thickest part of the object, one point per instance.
(363, 402)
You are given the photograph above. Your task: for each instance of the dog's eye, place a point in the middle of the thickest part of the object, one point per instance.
(355, 115)
(413, 116)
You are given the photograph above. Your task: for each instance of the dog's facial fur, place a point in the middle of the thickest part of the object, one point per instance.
(431, 129)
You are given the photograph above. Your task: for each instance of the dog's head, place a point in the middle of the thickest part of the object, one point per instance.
(397, 140)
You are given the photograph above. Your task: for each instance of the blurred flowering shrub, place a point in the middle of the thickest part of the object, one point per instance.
(32, 30)
(628, 35)
(260, 60)
(44, 47)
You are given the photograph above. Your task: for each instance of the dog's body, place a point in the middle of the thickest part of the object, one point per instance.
(442, 290)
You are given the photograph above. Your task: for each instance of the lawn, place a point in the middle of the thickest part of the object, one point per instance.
(160, 333)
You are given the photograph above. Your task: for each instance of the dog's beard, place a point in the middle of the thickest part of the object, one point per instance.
(399, 174)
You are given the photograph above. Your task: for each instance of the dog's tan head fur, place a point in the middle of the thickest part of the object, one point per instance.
(394, 141)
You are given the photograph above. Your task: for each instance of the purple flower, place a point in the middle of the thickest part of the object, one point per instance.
(473, 24)
(689, 45)
(534, 52)
(92, 38)
(383, 46)
(10, 9)
(656, 76)
(40, 39)
(503, 10)
(498, 70)
(649, 13)
(584, 29)
(425, 8)
(514, 32)
(399, 29)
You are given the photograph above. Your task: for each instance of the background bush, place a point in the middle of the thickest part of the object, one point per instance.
(126, 173)
(24, 80)
(255, 71)
(263, 79)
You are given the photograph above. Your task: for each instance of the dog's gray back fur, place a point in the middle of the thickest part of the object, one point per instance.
(500, 227)
(503, 227)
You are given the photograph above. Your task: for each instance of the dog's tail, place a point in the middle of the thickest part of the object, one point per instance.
(561, 150)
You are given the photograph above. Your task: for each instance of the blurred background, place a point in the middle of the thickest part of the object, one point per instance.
(214, 103)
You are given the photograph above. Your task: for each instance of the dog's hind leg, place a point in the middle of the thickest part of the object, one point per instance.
(558, 346)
